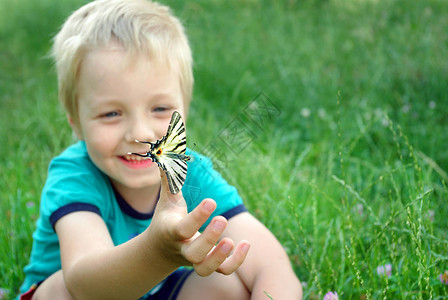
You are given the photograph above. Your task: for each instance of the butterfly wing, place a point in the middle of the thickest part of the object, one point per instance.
(169, 153)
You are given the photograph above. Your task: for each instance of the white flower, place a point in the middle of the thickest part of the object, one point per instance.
(321, 113)
(305, 112)
(406, 108)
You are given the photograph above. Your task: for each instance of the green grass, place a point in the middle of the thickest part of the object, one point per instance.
(351, 175)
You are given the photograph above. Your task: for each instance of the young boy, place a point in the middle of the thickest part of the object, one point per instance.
(109, 226)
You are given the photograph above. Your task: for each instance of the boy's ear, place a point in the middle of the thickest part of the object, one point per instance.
(74, 127)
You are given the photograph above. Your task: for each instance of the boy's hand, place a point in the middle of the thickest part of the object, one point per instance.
(181, 243)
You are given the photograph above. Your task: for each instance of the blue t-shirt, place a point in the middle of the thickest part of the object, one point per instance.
(74, 183)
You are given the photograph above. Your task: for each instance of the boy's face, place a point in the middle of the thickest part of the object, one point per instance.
(120, 102)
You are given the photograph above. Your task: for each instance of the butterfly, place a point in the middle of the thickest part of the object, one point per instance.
(169, 153)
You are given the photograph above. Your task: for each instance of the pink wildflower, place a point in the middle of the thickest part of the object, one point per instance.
(360, 209)
(431, 214)
(444, 277)
(3, 293)
(30, 204)
(331, 296)
(384, 270)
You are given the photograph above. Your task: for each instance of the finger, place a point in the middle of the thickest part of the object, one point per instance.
(214, 260)
(233, 262)
(191, 223)
(198, 250)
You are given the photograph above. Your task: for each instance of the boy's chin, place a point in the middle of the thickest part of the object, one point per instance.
(144, 182)
(149, 180)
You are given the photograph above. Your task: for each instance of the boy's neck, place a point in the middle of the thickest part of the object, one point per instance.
(142, 200)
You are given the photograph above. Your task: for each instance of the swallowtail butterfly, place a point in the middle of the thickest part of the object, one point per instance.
(169, 153)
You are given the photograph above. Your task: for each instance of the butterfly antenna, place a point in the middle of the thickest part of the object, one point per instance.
(142, 155)
(137, 141)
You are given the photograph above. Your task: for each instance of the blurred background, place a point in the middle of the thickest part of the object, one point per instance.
(349, 169)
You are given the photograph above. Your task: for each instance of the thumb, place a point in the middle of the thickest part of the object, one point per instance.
(164, 186)
(165, 192)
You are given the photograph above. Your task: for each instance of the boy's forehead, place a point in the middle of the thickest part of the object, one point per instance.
(107, 68)
(116, 54)
(111, 54)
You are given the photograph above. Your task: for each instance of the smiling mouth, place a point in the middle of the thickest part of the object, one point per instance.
(136, 162)
(135, 158)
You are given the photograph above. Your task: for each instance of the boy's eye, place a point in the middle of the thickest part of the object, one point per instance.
(110, 114)
(160, 109)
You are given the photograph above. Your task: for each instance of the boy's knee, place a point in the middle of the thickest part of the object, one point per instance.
(215, 286)
(52, 288)
(230, 287)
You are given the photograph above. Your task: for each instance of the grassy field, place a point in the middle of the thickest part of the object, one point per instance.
(349, 169)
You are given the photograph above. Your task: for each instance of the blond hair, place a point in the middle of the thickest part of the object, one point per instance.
(139, 26)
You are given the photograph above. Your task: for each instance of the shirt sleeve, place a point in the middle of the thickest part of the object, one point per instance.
(203, 181)
(73, 184)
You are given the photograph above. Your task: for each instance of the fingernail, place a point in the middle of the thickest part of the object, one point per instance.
(245, 248)
(208, 206)
(219, 225)
(226, 247)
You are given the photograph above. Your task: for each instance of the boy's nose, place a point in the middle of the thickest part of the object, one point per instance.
(140, 130)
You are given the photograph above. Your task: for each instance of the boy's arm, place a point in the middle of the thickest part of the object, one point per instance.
(267, 267)
(93, 268)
